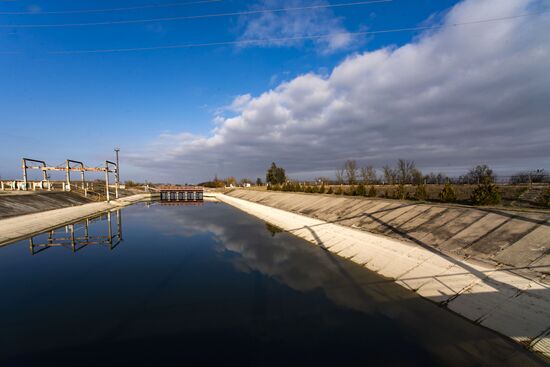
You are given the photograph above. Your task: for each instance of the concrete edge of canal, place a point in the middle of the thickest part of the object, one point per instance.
(494, 297)
(23, 226)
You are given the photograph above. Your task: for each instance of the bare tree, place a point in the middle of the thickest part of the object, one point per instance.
(340, 175)
(368, 175)
(371, 174)
(417, 177)
(406, 170)
(433, 178)
(390, 174)
(351, 171)
(480, 174)
(363, 175)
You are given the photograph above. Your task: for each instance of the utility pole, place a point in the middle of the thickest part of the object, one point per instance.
(107, 180)
(117, 176)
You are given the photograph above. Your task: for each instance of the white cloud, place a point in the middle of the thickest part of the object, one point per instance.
(240, 102)
(280, 25)
(455, 97)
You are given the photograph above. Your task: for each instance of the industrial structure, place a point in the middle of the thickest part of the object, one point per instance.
(69, 166)
(181, 193)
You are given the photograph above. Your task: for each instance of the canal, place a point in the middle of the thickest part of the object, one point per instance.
(207, 284)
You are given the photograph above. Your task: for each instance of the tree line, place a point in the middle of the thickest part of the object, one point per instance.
(406, 172)
(361, 181)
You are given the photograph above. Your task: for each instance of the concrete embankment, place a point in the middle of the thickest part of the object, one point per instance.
(519, 239)
(22, 226)
(26, 202)
(415, 252)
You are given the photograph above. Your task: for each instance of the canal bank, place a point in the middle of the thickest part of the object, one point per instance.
(17, 203)
(513, 301)
(23, 226)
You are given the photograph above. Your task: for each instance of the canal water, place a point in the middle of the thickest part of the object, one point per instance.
(207, 284)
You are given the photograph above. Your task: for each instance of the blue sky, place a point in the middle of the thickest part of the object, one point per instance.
(80, 106)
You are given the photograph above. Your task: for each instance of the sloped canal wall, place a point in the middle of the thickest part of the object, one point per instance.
(486, 264)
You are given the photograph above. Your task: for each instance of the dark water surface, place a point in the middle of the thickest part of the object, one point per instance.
(194, 285)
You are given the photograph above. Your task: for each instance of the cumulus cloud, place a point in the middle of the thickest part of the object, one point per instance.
(454, 97)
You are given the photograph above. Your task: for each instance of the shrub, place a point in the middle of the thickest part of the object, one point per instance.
(486, 194)
(546, 197)
(361, 190)
(321, 189)
(421, 193)
(372, 192)
(400, 192)
(350, 191)
(329, 191)
(338, 191)
(448, 194)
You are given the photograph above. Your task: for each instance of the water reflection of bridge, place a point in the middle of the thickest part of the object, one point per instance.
(78, 235)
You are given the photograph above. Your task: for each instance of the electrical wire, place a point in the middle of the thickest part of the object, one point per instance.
(109, 10)
(295, 38)
(192, 17)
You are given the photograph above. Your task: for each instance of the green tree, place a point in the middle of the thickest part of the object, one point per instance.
(275, 175)
(372, 191)
(361, 190)
(350, 191)
(448, 194)
(322, 188)
(259, 182)
(486, 193)
(421, 193)
(546, 197)
(400, 192)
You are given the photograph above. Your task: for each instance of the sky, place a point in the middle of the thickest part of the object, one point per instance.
(307, 84)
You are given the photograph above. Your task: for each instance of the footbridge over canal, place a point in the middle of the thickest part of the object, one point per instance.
(181, 193)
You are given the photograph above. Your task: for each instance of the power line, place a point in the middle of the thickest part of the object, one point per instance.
(108, 10)
(295, 38)
(190, 17)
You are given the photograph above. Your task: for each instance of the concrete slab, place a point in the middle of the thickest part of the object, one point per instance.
(394, 214)
(523, 318)
(527, 249)
(402, 223)
(474, 230)
(508, 233)
(437, 230)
